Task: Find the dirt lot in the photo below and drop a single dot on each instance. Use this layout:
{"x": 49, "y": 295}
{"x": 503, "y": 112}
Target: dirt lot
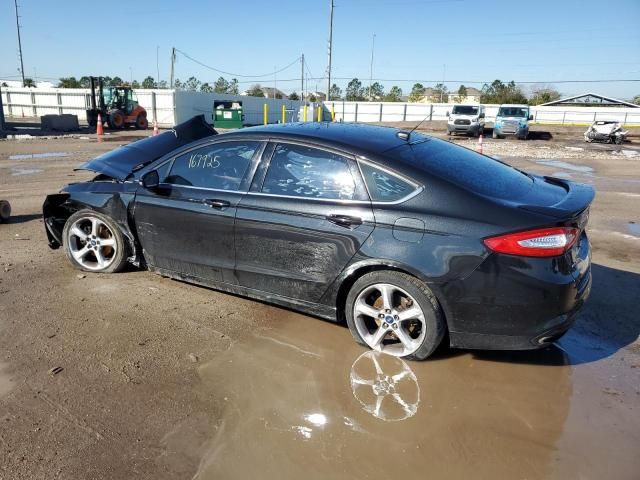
{"x": 160, "y": 379}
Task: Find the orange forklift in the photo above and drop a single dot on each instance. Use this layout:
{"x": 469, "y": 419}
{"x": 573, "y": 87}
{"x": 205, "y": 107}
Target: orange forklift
{"x": 118, "y": 106}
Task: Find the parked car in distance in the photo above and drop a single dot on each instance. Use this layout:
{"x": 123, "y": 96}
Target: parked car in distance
{"x": 409, "y": 239}
{"x": 512, "y": 120}
{"x": 468, "y": 119}
{"x": 605, "y": 131}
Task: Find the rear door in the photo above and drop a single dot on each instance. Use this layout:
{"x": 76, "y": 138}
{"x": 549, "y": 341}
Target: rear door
{"x": 306, "y": 216}
{"x": 187, "y": 224}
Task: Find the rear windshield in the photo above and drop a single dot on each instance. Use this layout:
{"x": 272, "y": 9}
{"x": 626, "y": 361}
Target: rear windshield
{"x": 466, "y": 168}
{"x": 465, "y": 110}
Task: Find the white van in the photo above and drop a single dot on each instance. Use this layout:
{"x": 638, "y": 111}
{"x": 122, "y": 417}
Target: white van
{"x": 467, "y": 119}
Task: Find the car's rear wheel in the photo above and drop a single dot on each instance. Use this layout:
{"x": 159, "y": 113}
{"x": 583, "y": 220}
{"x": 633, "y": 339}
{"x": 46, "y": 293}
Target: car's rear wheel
{"x": 395, "y": 313}
{"x": 93, "y": 243}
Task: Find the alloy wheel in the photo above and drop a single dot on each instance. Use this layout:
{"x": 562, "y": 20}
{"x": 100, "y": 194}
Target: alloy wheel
{"x": 389, "y": 320}
{"x": 92, "y": 243}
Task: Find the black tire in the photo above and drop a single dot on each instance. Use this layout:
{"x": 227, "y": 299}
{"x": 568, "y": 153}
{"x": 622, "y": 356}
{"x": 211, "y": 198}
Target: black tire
{"x": 5, "y": 211}
{"x": 434, "y": 318}
{"x": 116, "y": 119}
{"x": 141, "y": 122}
{"x": 118, "y": 259}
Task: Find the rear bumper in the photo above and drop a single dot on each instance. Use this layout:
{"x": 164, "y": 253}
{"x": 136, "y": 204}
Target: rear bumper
{"x": 517, "y": 303}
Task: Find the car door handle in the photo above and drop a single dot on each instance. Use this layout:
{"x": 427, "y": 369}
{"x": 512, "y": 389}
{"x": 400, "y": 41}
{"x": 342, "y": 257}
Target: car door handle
{"x": 216, "y": 203}
{"x": 344, "y": 220}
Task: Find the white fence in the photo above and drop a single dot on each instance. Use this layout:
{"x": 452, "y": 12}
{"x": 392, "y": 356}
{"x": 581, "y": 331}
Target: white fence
{"x": 168, "y": 107}
{"x": 410, "y": 112}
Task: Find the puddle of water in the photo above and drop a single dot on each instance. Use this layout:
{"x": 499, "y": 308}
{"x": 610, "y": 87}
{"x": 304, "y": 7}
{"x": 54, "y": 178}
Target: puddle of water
{"x": 17, "y": 171}
{"x": 634, "y": 228}
{"x": 39, "y": 155}
{"x": 565, "y": 165}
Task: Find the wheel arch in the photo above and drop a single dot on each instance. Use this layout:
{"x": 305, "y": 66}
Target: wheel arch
{"x": 343, "y": 284}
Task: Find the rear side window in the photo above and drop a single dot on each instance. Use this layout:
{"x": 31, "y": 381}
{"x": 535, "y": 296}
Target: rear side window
{"x": 464, "y": 167}
{"x": 384, "y": 186}
{"x": 307, "y": 172}
{"x": 220, "y": 166}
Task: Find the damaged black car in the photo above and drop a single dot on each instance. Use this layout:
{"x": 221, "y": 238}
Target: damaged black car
{"x": 407, "y": 238}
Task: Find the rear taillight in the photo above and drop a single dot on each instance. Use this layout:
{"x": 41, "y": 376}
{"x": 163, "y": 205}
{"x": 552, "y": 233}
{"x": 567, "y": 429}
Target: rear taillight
{"x": 542, "y": 242}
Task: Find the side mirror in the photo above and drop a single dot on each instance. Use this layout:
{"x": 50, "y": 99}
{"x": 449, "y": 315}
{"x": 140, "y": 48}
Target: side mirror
{"x": 481, "y": 115}
{"x": 447, "y": 114}
{"x": 530, "y": 117}
{"x": 150, "y": 180}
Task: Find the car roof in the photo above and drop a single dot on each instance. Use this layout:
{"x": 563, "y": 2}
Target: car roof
{"x": 355, "y": 136}
{"x": 514, "y": 105}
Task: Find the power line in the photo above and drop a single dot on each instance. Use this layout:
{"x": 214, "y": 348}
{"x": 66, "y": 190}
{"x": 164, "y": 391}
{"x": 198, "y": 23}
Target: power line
{"x": 236, "y": 74}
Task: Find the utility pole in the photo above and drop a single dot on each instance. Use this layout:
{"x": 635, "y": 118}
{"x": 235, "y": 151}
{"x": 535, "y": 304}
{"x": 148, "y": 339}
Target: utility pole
{"x": 302, "y": 77}
{"x": 444, "y": 72}
{"x": 373, "y": 44}
{"x": 330, "y": 45}
{"x": 173, "y": 62}
{"x": 157, "y": 64}
{"x": 15, "y": 2}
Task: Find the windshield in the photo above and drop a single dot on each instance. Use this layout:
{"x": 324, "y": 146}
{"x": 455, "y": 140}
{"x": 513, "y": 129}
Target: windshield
{"x": 465, "y": 110}
{"x": 513, "y": 112}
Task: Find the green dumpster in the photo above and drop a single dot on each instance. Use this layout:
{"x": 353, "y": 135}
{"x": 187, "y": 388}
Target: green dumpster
{"x": 227, "y": 114}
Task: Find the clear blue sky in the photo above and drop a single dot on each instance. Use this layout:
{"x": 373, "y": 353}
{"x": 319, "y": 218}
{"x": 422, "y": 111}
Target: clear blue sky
{"x": 481, "y": 41}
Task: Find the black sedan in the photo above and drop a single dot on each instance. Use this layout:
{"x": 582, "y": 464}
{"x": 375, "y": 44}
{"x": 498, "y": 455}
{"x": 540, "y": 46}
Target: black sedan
{"x": 408, "y": 238}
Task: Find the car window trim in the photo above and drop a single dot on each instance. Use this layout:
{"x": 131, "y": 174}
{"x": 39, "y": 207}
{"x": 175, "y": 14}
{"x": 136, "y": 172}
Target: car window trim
{"x": 360, "y": 184}
{"x": 246, "y": 178}
{"x": 417, "y": 188}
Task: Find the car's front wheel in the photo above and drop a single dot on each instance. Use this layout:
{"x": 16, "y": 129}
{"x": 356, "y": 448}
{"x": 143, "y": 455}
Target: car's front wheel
{"x": 395, "y": 313}
{"x": 94, "y": 243}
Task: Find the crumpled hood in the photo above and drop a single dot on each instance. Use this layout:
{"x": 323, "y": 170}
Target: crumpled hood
{"x": 122, "y": 161}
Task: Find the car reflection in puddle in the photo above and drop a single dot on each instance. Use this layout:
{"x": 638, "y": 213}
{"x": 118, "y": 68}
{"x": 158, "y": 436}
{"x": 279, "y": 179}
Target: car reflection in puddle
{"x": 385, "y": 386}
{"x": 301, "y": 399}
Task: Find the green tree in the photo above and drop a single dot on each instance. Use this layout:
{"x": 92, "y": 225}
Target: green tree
{"x": 354, "y": 92}
{"x": 294, "y": 96}
{"x": 69, "y": 82}
{"x": 255, "y": 91}
{"x": 221, "y": 85}
{"x": 192, "y": 84}
{"x": 335, "y": 93}
{"x": 85, "y": 82}
{"x": 162, "y": 84}
{"x": 312, "y": 98}
{"x": 114, "y": 82}
{"x": 177, "y": 84}
{"x": 394, "y": 94}
{"x": 233, "y": 87}
{"x": 28, "y": 82}
{"x": 462, "y": 94}
{"x": 499, "y": 92}
{"x": 206, "y": 88}
{"x": 543, "y": 94}
{"x": 417, "y": 92}
{"x": 439, "y": 93}
{"x": 375, "y": 92}
{"x": 149, "y": 82}
{"x": 135, "y": 84}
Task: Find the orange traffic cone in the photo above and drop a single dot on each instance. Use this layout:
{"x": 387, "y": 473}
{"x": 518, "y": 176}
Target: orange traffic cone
{"x": 155, "y": 128}
{"x": 479, "y": 147}
{"x": 99, "y": 126}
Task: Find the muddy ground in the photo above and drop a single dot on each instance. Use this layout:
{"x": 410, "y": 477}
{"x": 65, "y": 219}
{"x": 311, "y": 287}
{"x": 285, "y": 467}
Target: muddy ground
{"x": 158, "y": 379}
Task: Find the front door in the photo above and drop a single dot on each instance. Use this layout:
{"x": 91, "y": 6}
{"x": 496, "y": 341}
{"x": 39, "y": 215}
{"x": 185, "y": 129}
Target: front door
{"x": 302, "y": 224}
{"x": 187, "y": 224}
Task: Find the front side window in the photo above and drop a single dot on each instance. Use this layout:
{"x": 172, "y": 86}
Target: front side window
{"x": 220, "y": 166}
{"x": 306, "y": 172}
{"x": 383, "y": 186}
